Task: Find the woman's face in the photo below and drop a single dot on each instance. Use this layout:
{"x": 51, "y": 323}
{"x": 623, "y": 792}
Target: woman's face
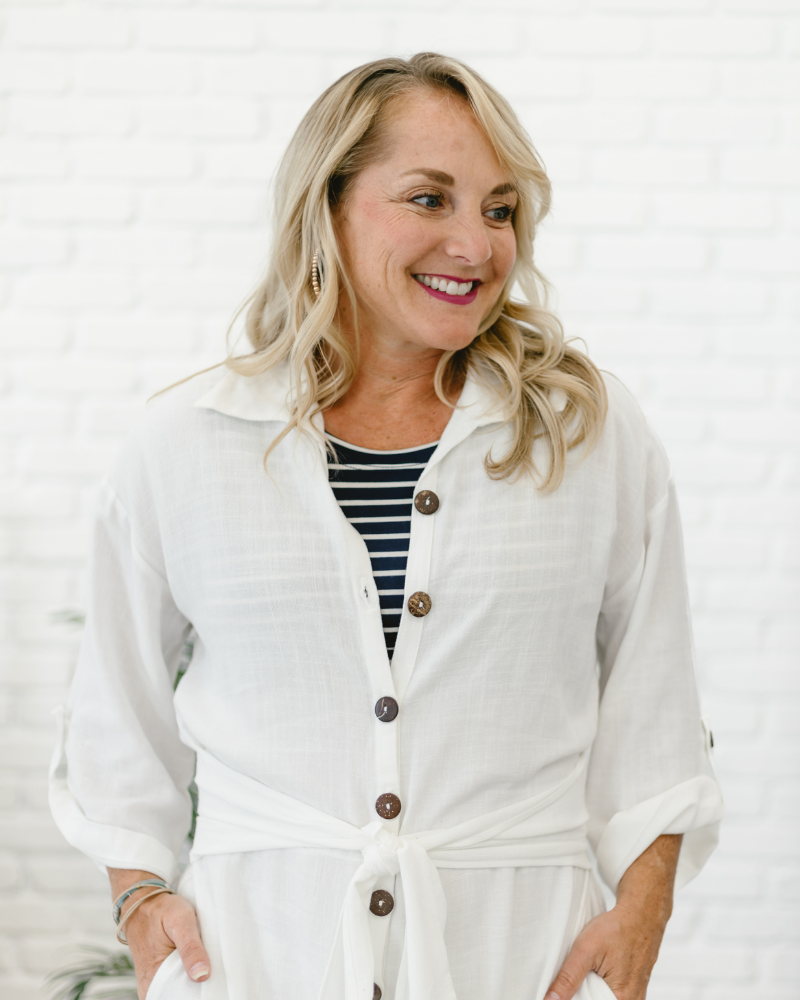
{"x": 436, "y": 210}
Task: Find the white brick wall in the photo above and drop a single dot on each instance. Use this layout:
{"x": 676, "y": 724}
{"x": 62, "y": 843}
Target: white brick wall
{"x": 137, "y": 143}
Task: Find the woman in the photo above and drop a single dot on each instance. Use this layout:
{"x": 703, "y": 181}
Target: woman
{"x": 391, "y": 707}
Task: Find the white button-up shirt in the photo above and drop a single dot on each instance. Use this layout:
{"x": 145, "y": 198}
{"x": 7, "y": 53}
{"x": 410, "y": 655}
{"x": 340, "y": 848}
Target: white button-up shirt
{"x": 546, "y": 703}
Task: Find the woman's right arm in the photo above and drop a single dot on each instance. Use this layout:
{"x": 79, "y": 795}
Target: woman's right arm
{"x": 120, "y": 774}
{"x": 159, "y": 926}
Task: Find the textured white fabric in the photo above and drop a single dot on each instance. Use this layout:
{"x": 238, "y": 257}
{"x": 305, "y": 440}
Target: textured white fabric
{"x": 499, "y": 689}
{"x": 240, "y": 814}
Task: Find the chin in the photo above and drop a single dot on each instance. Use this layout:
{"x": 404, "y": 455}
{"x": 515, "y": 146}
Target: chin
{"x": 451, "y": 340}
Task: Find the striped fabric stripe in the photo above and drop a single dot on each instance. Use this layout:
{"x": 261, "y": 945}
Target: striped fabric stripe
{"x": 375, "y": 490}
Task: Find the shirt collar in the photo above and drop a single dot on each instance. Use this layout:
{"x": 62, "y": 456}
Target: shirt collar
{"x": 267, "y": 397}
{"x": 251, "y": 397}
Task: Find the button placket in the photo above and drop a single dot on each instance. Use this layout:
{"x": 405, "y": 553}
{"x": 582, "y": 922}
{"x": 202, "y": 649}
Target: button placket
{"x": 388, "y": 805}
{"x": 376, "y": 659}
{"x": 380, "y": 926}
{"x": 417, "y": 577}
{"x": 389, "y": 679}
{"x": 386, "y": 709}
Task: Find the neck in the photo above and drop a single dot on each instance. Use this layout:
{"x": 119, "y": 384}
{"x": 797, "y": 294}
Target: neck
{"x": 396, "y": 378}
{"x": 391, "y": 402}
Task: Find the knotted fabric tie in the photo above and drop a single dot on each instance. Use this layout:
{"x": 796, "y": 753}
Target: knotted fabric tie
{"x": 238, "y": 813}
{"x": 352, "y": 964}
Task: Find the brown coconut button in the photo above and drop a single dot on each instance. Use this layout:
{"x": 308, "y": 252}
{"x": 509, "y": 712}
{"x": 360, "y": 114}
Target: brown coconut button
{"x": 419, "y": 604}
{"x": 381, "y": 903}
{"x": 376, "y": 992}
{"x": 426, "y": 502}
{"x": 386, "y": 709}
{"x": 388, "y": 805}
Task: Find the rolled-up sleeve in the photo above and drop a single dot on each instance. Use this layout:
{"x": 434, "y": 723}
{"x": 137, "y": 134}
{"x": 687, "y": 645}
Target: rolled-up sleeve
{"x": 650, "y": 771}
{"x": 120, "y": 773}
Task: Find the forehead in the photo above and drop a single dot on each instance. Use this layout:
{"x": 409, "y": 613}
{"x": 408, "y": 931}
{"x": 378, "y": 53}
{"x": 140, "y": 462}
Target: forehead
{"x": 438, "y": 130}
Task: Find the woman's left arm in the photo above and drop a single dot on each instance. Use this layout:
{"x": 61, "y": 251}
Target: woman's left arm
{"x": 652, "y": 799}
{"x": 621, "y": 946}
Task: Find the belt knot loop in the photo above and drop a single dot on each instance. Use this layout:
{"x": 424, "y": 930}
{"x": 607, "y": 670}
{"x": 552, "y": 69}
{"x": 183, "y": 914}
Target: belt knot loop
{"x": 380, "y": 852}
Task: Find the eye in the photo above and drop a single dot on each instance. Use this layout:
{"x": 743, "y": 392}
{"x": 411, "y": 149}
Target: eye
{"x": 430, "y": 199}
{"x": 502, "y": 213}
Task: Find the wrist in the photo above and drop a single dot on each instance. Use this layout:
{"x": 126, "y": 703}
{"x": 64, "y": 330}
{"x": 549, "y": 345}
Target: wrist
{"x": 131, "y": 888}
{"x": 137, "y": 894}
{"x": 646, "y": 901}
{"x": 133, "y": 911}
{"x": 121, "y": 879}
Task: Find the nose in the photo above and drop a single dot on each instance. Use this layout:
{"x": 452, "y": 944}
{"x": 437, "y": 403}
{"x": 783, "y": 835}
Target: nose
{"x": 468, "y": 241}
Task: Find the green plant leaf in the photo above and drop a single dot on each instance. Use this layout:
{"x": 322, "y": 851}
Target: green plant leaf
{"x": 99, "y": 964}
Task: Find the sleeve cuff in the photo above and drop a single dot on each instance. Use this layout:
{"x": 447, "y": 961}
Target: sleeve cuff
{"x": 693, "y": 808}
{"x": 107, "y": 846}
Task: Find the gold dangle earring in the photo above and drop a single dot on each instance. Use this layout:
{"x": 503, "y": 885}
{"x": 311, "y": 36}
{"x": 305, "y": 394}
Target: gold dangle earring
{"x": 317, "y": 273}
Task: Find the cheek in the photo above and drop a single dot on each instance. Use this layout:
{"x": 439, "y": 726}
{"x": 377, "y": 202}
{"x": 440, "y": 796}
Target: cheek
{"x": 382, "y": 239}
{"x": 407, "y": 237}
{"x": 504, "y": 251}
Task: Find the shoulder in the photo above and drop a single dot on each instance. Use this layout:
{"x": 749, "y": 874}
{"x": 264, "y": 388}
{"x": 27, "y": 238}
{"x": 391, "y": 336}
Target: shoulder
{"x": 628, "y": 440}
{"x": 181, "y": 399}
{"x": 175, "y": 410}
{"x": 624, "y": 411}
{"x": 625, "y": 418}
{"x": 164, "y": 435}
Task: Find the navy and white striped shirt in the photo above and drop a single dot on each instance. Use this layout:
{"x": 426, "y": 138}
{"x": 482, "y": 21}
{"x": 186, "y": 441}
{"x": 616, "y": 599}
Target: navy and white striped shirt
{"x": 375, "y": 490}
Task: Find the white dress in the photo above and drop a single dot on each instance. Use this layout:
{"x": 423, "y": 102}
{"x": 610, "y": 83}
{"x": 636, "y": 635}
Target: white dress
{"x": 547, "y": 703}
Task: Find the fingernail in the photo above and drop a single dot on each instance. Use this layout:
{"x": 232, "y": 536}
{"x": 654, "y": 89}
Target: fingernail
{"x": 198, "y": 971}
{"x": 552, "y": 996}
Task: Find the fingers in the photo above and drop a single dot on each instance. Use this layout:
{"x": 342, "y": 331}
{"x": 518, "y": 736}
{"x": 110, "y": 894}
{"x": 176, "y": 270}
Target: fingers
{"x": 577, "y": 965}
{"x": 183, "y": 930}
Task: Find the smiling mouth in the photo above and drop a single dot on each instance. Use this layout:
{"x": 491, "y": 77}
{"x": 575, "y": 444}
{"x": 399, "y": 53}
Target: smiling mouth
{"x": 448, "y": 286}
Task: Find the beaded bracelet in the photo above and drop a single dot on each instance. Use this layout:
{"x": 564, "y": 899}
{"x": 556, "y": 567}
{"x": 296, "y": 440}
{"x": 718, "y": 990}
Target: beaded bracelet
{"x": 136, "y": 905}
{"x": 116, "y": 909}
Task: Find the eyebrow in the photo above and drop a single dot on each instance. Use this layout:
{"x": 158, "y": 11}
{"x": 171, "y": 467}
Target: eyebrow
{"x": 440, "y": 177}
{"x": 507, "y": 188}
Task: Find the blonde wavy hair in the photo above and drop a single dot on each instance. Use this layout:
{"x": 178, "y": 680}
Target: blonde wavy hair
{"x": 520, "y": 351}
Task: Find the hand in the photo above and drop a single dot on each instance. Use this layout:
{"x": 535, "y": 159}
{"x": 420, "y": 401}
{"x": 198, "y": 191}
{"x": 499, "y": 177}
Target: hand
{"x": 157, "y": 928}
{"x": 621, "y": 946}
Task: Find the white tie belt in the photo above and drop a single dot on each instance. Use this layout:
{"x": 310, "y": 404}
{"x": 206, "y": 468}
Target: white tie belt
{"x": 238, "y": 813}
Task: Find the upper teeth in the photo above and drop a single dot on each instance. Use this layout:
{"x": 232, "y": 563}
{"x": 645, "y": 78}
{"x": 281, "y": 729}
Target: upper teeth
{"x": 444, "y": 284}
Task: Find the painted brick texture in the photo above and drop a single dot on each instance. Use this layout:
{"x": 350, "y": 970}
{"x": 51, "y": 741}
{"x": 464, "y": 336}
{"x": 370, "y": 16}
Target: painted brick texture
{"x": 137, "y": 141}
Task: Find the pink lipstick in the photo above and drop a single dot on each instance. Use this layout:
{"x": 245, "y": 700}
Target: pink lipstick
{"x": 457, "y": 300}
